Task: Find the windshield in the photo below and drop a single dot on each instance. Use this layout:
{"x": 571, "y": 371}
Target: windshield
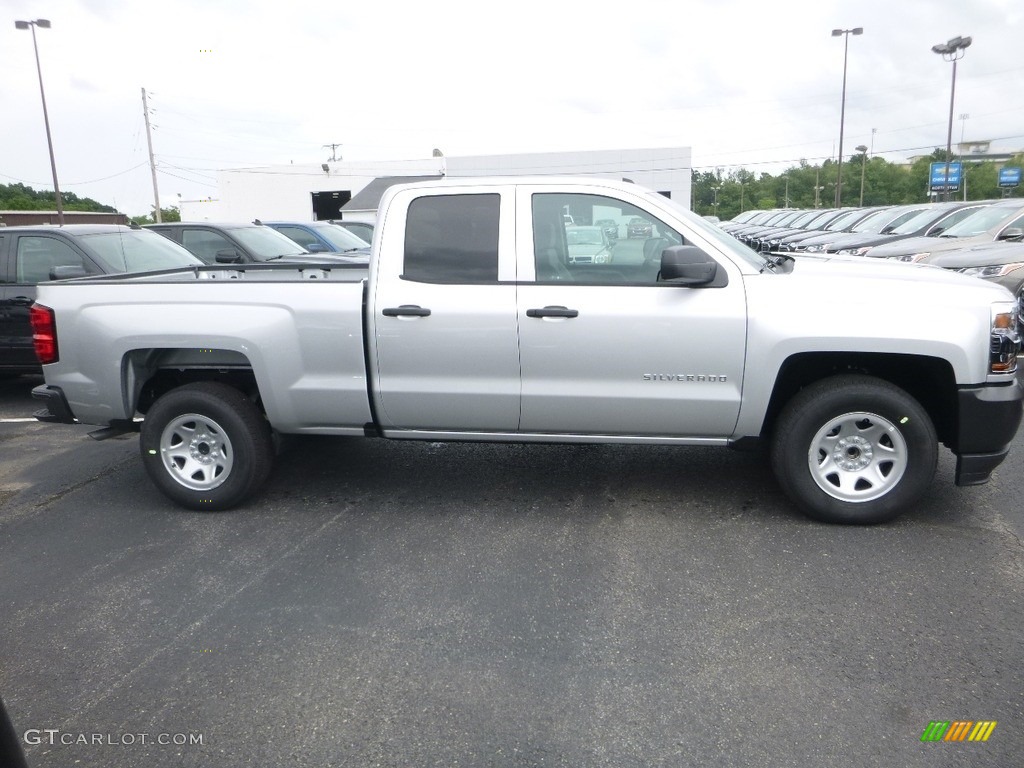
{"x": 134, "y": 251}
{"x": 981, "y": 221}
{"x": 874, "y": 223}
{"x": 844, "y": 221}
{"x": 266, "y": 243}
{"x": 723, "y": 239}
{"x": 819, "y": 219}
{"x": 340, "y": 238}
{"x": 919, "y": 221}
{"x": 805, "y": 216}
{"x": 583, "y": 236}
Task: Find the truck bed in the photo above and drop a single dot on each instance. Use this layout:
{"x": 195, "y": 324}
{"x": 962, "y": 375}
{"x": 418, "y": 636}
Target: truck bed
{"x": 299, "y": 330}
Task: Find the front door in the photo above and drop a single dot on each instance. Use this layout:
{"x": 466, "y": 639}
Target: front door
{"x": 607, "y": 349}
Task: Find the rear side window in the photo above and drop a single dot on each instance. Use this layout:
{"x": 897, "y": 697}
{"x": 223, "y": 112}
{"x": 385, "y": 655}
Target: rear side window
{"x": 452, "y": 239}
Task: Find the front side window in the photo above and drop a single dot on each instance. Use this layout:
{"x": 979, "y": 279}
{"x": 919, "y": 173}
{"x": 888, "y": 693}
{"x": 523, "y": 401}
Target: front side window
{"x": 453, "y": 239}
{"x": 582, "y": 252}
{"x": 205, "y": 244}
{"x": 37, "y": 256}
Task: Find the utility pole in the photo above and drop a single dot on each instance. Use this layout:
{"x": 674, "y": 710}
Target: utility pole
{"x": 333, "y": 147}
{"x": 152, "y": 162}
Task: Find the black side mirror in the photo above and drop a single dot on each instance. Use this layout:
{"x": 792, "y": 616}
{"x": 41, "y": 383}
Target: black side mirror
{"x": 687, "y": 265}
{"x": 67, "y": 272}
{"x": 228, "y": 256}
{"x": 1011, "y": 233}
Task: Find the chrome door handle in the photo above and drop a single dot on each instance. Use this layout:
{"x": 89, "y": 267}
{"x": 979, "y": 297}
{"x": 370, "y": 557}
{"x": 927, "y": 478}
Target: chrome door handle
{"x": 406, "y": 309}
{"x": 555, "y": 311}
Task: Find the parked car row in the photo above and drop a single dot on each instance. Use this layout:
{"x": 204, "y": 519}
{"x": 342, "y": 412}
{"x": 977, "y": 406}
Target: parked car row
{"x": 981, "y": 238}
{"x": 34, "y": 254}
{"x": 290, "y": 241}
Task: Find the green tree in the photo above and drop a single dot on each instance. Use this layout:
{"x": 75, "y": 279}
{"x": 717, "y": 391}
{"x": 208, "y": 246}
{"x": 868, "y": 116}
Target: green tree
{"x": 19, "y": 197}
{"x": 166, "y": 215}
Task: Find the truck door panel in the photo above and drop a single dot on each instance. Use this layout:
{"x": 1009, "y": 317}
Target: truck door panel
{"x": 443, "y": 328}
{"x": 628, "y": 355}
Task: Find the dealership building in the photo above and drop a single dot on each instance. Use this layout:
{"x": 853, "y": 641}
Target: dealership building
{"x": 352, "y": 189}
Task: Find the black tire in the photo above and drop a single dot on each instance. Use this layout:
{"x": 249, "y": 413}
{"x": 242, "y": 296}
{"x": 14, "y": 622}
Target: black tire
{"x": 874, "y": 450}
{"x": 206, "y": 446}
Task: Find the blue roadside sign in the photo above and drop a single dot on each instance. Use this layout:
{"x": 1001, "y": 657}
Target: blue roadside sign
{"x": 940, "y": 182}
{"x": 1009, "y": 177}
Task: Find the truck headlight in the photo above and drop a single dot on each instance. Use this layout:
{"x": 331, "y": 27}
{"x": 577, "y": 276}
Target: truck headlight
{"x": 1005, "y": 337}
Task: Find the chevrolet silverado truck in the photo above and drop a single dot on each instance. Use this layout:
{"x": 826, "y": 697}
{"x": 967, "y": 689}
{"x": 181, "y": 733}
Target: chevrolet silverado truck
{"x": 473, "y": 322}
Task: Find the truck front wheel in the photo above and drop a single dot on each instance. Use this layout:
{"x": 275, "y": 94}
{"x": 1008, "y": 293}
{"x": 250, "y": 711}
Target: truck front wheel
{"x": 854, "y": 449}
{"x": 206, "y": 446}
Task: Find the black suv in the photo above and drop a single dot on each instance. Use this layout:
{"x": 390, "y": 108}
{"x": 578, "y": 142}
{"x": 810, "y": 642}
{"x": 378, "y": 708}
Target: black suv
{"x": 35, "y": 254}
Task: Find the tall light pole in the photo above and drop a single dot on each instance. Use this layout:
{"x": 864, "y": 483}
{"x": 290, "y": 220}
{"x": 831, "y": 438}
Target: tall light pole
{"x": 862, "y": 148}
{"x": 963, "y": 168}
{"x": 845, "y": 33}
{"x": 951, "y": 50}
{"x": 45, "y": 24}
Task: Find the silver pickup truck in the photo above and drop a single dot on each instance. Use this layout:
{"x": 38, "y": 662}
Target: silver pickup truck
{"x": 473, "y": 322}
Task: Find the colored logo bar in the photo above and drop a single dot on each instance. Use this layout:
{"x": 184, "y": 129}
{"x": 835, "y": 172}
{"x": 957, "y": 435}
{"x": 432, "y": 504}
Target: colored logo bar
{"x": 958, "y": 730}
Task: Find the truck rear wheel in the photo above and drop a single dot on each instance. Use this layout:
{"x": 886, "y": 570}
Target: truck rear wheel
{"x": 854, "y": 449}
{"x": 206, "y": 446}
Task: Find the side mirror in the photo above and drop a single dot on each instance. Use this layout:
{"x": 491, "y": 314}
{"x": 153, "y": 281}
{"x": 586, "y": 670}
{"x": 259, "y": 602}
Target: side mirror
{"x": 317, "y": 248}
{"x": 228, "y": 256}
{"x": 67, "y": 272}
{"x": 1011, "y": 233}
{"x": 687, "y": 265}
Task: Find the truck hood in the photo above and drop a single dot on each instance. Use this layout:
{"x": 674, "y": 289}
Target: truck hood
{"x": 840, "y": 274}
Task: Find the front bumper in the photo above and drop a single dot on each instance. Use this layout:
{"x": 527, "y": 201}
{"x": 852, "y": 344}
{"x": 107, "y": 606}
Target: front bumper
{"x": 988, "y": 421}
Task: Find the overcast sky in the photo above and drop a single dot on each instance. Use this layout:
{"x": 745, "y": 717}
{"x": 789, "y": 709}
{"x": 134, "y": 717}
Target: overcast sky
{"x": 243, "y": 84}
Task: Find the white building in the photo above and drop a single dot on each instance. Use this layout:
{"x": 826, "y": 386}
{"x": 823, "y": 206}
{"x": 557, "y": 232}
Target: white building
{"x": 315, "y": 192}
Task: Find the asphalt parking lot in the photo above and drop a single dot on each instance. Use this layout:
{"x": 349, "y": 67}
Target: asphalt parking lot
{"x": 399, "y": 604}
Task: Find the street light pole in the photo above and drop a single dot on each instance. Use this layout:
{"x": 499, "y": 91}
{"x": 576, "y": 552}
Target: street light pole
{"x": 863, "y": 164}
{"x": 45, "y": 24}
{"x": 842, "y": 111}
{"x": 963, "y": 168}
{"x": 952, "y": 50}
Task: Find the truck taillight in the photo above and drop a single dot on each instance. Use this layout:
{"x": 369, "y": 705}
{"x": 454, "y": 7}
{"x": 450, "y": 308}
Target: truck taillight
{"x": 44, "y": 333}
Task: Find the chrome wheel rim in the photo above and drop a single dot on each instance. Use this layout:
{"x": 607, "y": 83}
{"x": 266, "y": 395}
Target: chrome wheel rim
{"x": 196, "y": 452}
{"x": 857, "y": 457}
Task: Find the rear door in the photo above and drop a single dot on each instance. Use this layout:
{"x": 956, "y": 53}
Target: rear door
{"x": 608, "y": 349}
{"x": 443, "y": 328}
